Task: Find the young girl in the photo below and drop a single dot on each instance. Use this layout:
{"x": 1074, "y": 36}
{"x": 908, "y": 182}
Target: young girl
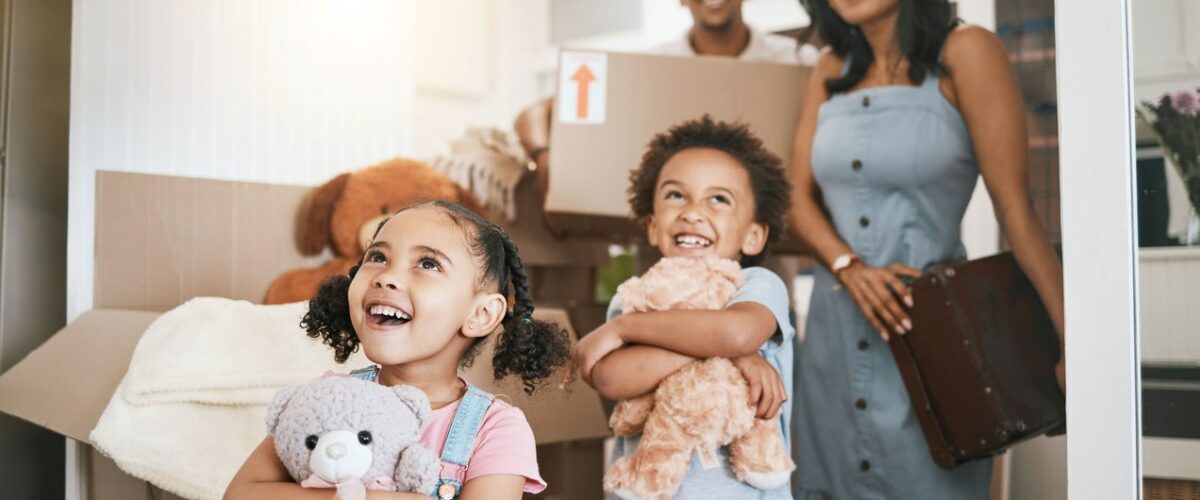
{"x": 430, "y": 288}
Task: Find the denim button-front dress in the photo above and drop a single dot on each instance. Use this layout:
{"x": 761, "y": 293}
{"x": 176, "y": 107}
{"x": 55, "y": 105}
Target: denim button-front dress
{"x": 896, "y": 169}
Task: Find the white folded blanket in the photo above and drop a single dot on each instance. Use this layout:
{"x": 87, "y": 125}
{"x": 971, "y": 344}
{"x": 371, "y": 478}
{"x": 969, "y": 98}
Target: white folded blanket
{"x": 190, "y": 408}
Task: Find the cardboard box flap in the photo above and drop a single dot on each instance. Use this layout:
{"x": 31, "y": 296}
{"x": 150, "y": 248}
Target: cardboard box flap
{"x": 65, "y": 384}
{"x": 161, "y": 240}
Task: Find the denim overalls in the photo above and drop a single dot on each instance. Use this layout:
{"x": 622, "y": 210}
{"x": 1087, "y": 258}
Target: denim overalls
{"x": 460, "y": 441}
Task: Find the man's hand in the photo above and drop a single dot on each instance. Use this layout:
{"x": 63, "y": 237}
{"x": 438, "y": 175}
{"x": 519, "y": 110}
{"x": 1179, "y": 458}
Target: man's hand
{"x": 595, "y": 346}
{"x": 766, "y": 387}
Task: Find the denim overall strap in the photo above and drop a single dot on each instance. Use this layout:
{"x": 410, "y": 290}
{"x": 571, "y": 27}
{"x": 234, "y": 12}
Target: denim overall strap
{"x": 460, "y": 442}
{"x": 369, "y": 373}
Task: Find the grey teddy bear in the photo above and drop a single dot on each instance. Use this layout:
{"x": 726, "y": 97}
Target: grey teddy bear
{"x": 337, "y": 431}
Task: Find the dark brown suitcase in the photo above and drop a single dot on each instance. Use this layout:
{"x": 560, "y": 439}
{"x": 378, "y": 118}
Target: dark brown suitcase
{"x": 979, "y": 362}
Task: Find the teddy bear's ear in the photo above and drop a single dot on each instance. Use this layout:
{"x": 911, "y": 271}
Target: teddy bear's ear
{"x": 315, "y": 218}
{"x": 415, "y": 400}
{"x": 278, "y": 403}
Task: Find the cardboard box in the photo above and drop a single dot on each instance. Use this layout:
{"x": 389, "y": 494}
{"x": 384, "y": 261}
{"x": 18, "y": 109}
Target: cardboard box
{"x": 609, "y": 106}
{"x": 162, "y": 240}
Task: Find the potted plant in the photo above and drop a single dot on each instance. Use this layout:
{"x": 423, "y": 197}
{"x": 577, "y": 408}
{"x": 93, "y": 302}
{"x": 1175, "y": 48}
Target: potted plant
{"x": 1175, "y": 120}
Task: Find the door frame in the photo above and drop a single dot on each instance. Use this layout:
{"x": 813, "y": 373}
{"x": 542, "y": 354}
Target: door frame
{"x": 1099, "y": 249}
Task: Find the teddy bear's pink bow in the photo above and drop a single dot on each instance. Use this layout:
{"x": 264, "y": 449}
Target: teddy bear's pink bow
{"x": 352, "y": 489}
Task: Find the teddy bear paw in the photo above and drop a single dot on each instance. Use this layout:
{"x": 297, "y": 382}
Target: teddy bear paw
{"x": 767, "y": 480}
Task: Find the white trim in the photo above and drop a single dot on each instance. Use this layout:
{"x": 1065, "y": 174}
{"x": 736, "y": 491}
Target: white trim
{"x": 1171, "y": 458}
{"x": 76, "y": 484}
{"x": 79, "y": 244}
{"x": 1165, "y": 254}
{"x": 1006, "y": 470}
{"x": 978, "y": 12}
{"x": 1095, "y": 131}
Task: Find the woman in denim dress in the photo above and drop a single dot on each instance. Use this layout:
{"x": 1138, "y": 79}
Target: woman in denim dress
{"x": 901, "y": 116}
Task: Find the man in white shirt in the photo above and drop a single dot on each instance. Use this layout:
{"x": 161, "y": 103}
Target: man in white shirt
{"x": 717, "y": 30}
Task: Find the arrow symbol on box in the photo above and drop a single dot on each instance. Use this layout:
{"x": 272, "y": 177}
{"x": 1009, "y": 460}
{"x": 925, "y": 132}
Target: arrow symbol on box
{"x": 583, "y": 77}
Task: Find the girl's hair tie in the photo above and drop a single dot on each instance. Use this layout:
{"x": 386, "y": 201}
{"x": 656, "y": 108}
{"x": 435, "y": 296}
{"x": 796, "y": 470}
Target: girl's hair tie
{"x": 528, "y": 320}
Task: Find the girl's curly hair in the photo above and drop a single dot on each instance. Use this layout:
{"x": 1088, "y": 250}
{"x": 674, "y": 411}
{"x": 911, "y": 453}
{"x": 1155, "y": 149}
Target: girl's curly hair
{"x": 528, "y": 348}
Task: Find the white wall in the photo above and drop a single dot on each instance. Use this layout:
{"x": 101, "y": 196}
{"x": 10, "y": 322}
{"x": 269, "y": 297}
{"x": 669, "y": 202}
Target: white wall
{"x": 477, "y": 66}
{"x": 285, "y": 91}
{"x": 1166, "y": 46}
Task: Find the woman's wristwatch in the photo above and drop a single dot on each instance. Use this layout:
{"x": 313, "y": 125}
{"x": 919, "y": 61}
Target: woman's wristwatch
{"x": 843, "y": 261}
{"x": 533, "y": 157}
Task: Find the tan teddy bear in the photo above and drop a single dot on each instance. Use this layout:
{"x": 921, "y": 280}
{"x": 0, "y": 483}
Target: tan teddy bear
{"x": 700, "y": 407}
{"x": 344, "y": 213}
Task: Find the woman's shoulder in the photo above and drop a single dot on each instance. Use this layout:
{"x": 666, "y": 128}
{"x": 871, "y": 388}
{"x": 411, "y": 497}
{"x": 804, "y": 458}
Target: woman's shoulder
{"x": 971, "y": 44}
{"x": 828, "y": 65}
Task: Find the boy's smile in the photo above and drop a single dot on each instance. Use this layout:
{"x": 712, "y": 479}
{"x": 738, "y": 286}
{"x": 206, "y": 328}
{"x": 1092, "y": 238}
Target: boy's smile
{"x": 704, "y": 205}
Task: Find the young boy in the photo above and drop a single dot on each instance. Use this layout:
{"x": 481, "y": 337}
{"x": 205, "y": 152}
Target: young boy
{"x": 705, "y": 188}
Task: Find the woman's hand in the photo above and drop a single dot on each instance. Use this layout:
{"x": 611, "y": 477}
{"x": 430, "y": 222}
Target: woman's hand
{"x": 766, "y": 386}
{"x": 878, "y": 292}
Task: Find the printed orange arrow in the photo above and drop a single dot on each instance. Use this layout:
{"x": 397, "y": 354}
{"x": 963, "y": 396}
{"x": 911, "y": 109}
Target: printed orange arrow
{"x": 583, "y": 77}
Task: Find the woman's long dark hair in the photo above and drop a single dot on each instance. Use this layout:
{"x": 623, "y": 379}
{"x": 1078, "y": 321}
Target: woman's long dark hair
{"x": 920, "y": 31}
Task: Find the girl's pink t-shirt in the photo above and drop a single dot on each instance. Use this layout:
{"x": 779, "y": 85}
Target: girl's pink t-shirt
{"x": 504, "y": 445}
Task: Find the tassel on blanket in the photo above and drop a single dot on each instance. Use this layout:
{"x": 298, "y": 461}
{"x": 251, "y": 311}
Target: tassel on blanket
{"x": 490, "y": 163}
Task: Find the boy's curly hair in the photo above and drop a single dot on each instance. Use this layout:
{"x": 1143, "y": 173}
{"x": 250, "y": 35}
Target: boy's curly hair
{"x": 768, "y": 180}
{"x": 529, "y": 348}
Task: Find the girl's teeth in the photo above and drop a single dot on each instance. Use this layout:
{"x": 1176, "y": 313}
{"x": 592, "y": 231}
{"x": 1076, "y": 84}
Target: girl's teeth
{"x": 381, "y": 310}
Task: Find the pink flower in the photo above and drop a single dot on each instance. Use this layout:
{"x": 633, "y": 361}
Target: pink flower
{"x": 1186, "y": 102}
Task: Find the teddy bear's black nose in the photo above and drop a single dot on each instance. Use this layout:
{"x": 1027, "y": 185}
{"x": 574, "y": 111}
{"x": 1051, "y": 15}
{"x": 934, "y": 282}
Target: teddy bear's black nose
{"x": 364, "y": 437}
{"x": 310, "y": 442}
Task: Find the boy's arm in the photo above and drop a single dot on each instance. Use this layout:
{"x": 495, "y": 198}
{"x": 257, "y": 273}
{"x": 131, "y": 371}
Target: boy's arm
{"x": 634, "y": 370}
{"x": 728, "y": 333}
{"x": 638, "y": 369}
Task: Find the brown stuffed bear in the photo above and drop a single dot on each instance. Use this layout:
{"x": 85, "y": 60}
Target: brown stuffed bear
{"x": 344, "y": 212}
{"x": 699, "y": 407}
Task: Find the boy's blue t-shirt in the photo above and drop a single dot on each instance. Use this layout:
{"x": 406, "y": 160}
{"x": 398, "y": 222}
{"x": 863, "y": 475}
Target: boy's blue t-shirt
{"x": 764, "y": 287}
